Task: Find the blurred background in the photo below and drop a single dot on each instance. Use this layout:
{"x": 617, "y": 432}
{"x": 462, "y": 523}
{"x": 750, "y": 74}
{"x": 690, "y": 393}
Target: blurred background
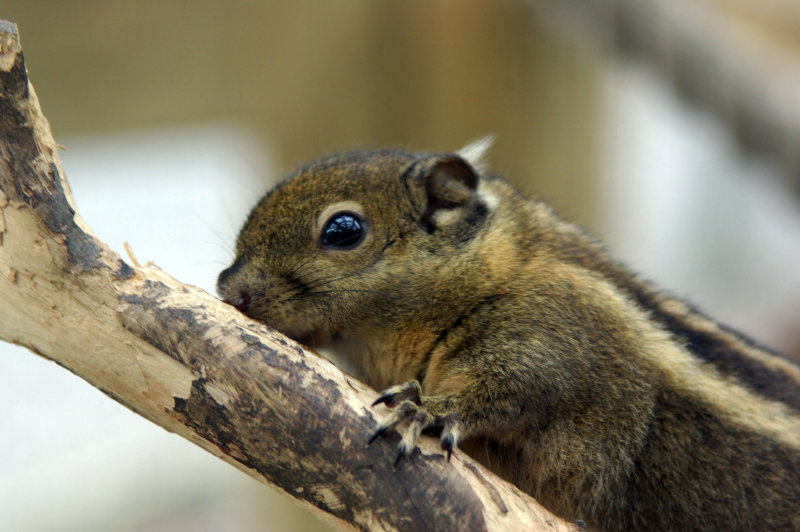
{"x": 668, "y": 128}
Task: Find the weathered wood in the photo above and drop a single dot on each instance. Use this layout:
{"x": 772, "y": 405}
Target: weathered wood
{"x": 197, "y": 367}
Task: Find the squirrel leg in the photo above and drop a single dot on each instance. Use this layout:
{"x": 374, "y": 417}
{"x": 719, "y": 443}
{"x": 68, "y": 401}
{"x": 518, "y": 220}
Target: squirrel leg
{"x": 423, "y": 413}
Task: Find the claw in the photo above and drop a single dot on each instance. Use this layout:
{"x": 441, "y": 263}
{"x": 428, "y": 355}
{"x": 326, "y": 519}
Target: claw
{"x": 420, "y": 416}
{"x": 379, "y": 432}
{"x": 419, "y": 422}
{"x": 406, "y": 409}
{"x": 400, "y": 454}
{"x": 385, "y": 398}
{"x": 450, "y": 432}
{"x": 410, "y": 391}
{"x": 447, "y": 445}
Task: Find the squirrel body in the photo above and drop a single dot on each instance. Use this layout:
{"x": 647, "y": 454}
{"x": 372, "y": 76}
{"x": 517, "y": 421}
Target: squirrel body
{"x": 488, "y": 317}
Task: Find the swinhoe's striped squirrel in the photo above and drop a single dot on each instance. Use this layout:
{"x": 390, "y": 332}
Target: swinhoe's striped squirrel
{"x": 485, "y": 316}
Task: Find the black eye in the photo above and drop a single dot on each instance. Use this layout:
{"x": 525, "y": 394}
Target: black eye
{"x": 343, "y": 230}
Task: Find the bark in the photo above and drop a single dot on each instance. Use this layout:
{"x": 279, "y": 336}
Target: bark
{"x": 197, "y": 367}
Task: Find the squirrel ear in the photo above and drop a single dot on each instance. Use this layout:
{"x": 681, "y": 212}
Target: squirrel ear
{"x": 475, "y": 152}
{"x": 449, "y": 183}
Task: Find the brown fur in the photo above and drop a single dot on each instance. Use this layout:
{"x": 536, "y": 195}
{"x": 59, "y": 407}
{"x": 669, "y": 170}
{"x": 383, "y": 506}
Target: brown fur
{"x": 542, "y": 358}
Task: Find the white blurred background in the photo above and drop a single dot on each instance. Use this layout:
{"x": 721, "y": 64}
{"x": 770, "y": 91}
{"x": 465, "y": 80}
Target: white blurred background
{"x": 176, "y": 119}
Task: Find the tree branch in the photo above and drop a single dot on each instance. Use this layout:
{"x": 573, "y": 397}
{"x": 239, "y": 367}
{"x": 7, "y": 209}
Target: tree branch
{"x": 197, "y": 367}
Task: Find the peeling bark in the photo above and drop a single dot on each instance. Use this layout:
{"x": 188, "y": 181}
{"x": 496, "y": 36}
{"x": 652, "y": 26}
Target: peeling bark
{"x": 197, "y": 367}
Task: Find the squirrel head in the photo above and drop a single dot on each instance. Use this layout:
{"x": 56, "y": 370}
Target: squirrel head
{"x": 357, "y": 240}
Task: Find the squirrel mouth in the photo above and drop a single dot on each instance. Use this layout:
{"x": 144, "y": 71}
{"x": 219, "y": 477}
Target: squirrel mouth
{"x": 316, "y": 338}
{"x": 240, "y": 301}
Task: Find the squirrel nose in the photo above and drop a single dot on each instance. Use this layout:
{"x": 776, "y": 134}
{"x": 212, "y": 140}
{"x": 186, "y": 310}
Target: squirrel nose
{"x": 229, "y": 271}
{"x": 241, "y": 302}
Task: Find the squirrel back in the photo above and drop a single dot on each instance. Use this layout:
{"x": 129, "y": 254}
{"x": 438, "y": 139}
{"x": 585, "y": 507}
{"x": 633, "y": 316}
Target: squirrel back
{"x": 489, "y": 318}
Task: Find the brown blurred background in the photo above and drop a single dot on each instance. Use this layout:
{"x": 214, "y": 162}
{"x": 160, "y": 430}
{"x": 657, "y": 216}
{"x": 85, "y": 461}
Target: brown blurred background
{"x": 315, "y": 76}
{"x": 671, "y": 129}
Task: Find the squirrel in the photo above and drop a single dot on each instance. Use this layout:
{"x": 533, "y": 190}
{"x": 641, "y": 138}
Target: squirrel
{"x": 486, "y": 317}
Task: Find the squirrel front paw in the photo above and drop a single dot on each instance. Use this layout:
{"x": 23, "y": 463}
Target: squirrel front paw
{"x": 423, "y": 413}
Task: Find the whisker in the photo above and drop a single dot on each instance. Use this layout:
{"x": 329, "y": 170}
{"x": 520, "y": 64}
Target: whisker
{"x": 333, "y": 291}
{"x": 211, "y": 261}
{"x": 382, "y": 293}
{"x": 215, "y": 231}
{"x": 323, "y": 282}
{"x": 294, "y": 271}
{"x": 218, "y": 245}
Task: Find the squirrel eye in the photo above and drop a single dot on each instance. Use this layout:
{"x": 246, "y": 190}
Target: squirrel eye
{"x": 343, "y": 230}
